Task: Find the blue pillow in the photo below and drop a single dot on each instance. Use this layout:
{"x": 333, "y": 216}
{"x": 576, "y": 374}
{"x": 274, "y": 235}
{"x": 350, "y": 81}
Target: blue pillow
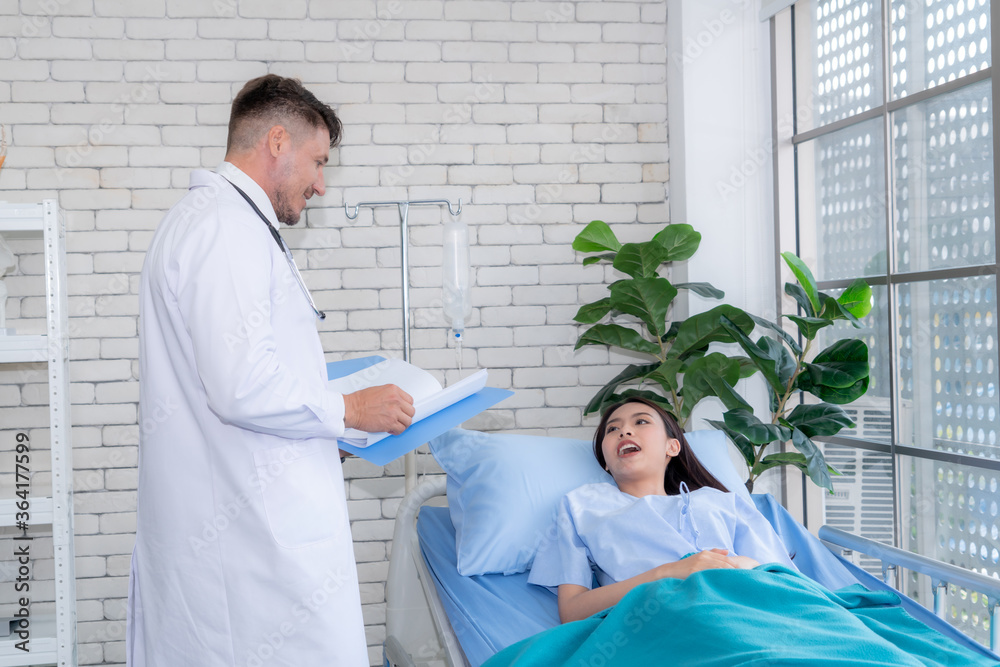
{"x": 503, "y": 489}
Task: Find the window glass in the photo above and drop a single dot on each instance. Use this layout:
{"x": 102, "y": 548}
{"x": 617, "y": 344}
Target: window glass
{"x": 950, "y": 513}
{"x": 943, "y": 173}
{"x": 842, "y": 202}
{"x": 936, "y": 41}
{"x": 946, "y": 343}
{"x": 838, "y": 66}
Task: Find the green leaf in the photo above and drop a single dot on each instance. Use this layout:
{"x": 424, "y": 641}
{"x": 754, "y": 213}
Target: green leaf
{"x": 809, "y": 326}
{"x": 631, "y": 372}
{"x": 640, "y": 260}
{"x": 671, "y": 332}
{"x": 816, "y": 466}
{"x": 679, "y": 240}
{"x": 745, "y": 447}
{"x": 773, "y": 401}
{"x": 805, "y": 278}
{"x": 726, "y": 393}
{"x": 784, "y": 335}
{"x": 666, "y": 374}
{"x": 652, "y": 396}
{"x": 787, "y": 458}
{"x": 697, "y": 331}
{"x": 760, "y": 357}
{"x": 699, "y": 376}
{"x": 780, "y": 459}
{"x": 800, "y": 297}
{"x": 593, "y": 312}
{"x": 838, "y": 395}
{"x": 615, "y": 335}
{"x": 784, "y": 362}
{"x": 596, "y": 237}
{"x": 832, "y": 310}
{"x": 819, "y": 419}
{"x": 857, "y": 298}
{"x": 702, "y": 289}
{"x": 594, "y": 259}
{"x": 747, "y": 368}
{"x": 839, "y": 366}
{"x": 645, "y": 298}
{"x": 753, "y": 429}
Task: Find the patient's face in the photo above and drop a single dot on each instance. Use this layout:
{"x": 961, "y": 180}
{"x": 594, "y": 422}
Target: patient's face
{"x": 636, "y": 445}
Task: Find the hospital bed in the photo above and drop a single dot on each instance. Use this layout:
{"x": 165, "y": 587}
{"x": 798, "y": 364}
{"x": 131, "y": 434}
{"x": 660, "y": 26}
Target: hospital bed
{"x": 436, "y": 617}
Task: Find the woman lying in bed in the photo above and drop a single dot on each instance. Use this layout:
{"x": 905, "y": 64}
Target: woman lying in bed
{"x": 666, "y": 506}
{"x": 657, "y": 605}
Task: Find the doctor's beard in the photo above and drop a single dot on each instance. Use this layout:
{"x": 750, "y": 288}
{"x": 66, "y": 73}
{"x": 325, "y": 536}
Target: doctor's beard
{"x": 283, "y": 209}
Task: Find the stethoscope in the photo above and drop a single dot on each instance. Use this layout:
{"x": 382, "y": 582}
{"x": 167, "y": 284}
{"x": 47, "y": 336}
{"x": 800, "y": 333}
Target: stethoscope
{"x": 284, "y": 249}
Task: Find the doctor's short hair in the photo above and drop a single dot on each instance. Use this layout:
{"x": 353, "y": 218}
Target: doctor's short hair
{"x": 271, "y": 100}
{"x": 685, "y": 467}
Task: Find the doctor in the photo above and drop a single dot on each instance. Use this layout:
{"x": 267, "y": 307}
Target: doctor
{"x": 243, "y": 553}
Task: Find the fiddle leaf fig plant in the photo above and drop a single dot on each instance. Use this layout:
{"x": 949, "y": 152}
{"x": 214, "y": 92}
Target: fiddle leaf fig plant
{"x": 680, "y": 371}
{"x": 680, "y": 368}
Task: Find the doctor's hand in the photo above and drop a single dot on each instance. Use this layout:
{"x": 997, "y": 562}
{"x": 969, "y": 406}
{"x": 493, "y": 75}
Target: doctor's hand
{"x": 375, "y": 409}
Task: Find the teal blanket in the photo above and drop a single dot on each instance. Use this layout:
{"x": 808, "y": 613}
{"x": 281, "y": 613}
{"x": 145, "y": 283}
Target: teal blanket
{"x": 769, "y": 616}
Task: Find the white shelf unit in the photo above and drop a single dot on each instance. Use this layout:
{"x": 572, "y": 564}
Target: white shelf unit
{"x": 53, "y": 638}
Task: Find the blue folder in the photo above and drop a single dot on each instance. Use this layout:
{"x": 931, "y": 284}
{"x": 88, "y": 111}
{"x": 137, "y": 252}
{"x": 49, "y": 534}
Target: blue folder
{"x": 394, "y": 446}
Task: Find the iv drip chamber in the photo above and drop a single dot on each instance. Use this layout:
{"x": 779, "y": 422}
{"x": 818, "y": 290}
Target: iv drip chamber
{"x": 457, "y": 301}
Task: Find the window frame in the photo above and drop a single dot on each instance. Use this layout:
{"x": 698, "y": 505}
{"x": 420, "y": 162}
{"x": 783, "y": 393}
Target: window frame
{"x": 800, "y": 494}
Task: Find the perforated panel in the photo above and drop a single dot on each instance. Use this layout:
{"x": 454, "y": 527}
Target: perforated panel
{"x": 935, "y": 41}
{"x": 844, "y": 53}
{"x": 850, "y": 218}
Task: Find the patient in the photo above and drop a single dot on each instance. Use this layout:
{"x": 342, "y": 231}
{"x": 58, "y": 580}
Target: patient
{"x": 665, "y": 506}
{"x": 634, "y": 535}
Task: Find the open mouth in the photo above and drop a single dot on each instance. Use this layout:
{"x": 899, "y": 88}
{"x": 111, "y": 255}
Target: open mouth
{"x": 627, "y": 447}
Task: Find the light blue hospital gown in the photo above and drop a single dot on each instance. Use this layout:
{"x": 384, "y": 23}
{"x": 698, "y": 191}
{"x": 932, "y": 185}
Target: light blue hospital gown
{"x": 600, "y": 530}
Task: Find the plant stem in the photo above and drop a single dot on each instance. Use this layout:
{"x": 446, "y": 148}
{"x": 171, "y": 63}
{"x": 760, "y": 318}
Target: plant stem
{"x": 799, "y": 367}
{"x": 780, "y": 412}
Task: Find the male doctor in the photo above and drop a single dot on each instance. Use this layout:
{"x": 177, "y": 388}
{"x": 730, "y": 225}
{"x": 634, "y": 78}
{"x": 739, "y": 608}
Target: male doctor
{"x": 243, "y": 553}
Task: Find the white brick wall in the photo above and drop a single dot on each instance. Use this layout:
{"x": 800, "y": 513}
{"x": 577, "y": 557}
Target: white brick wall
{"x": 540, "y": 116}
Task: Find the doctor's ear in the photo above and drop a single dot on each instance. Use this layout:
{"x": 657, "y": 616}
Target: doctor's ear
{"x": 277, "y": 140}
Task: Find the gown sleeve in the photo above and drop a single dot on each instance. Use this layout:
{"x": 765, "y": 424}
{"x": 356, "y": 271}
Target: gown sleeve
{"x": 563, "y": 558}
{"x": 222, "y": 284}
{"x": 756, "y": 538}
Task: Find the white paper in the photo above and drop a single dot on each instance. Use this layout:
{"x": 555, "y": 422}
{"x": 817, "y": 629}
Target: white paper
{"x": 416, "y": 382}
{"x": 428, "y": 396}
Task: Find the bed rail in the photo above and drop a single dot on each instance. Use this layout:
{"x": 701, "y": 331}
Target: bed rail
{"x": 411, "y": 597}
{"x": 941, "y": 574}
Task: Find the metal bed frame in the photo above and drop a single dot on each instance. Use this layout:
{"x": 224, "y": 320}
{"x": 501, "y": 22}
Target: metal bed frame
{"x": 942, "y": 574}
{"x": 419, "y": 634}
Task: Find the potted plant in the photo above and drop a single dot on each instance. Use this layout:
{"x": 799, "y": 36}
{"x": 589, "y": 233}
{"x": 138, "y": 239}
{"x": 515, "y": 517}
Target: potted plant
{"x": 681, "y": 368}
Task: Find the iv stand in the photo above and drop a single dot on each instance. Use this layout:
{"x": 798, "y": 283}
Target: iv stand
{"x": 410, "y": 459}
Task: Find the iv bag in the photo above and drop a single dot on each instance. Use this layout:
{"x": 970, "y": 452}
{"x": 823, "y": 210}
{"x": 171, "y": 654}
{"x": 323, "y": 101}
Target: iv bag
{"x": 455, "y": 280}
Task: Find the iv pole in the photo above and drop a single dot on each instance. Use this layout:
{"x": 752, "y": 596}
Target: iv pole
{"x": 410, "y": 459}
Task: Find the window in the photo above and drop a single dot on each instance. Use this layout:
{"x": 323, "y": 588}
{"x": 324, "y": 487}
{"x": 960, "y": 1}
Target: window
{"x": 894, "y": 181}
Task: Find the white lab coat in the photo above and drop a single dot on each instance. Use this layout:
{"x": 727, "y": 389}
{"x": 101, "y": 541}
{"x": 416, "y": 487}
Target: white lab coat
{"x": 243, "y": 552}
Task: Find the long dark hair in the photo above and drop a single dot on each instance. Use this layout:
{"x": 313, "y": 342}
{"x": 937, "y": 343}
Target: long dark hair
{"x": 685, "y": 467}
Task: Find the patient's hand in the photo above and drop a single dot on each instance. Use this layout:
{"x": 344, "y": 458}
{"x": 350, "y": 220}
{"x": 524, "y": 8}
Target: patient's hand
{"x": 712, "y": 559}
{"x": 744, "y": 562}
